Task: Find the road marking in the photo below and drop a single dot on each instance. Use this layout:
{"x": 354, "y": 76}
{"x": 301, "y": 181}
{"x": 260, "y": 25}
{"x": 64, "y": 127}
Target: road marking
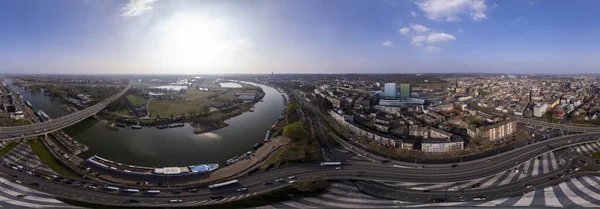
{"x": 254, "y": 193}
{"x": 240, "y": 197}
{"x": 247, "y": 195}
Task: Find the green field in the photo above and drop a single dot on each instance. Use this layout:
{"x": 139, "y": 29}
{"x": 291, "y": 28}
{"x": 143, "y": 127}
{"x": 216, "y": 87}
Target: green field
{"x": 7, "y": 148}
{"x": 137, "y": 100}
{"x": 46, "y": 157}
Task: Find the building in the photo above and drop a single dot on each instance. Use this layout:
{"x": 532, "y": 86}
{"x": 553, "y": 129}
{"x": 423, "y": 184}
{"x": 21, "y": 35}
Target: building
{"x": 433, "y": 145}
{"x": 540, "y": 110}
{"x": 389, "y": 90}
{"x": 405, "y": 91}
{"x": 495, "y": 131}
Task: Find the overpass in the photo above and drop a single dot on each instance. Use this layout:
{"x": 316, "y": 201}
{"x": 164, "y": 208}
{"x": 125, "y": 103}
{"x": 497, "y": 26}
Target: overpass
{"x": 556, "y": 125}
{"x": 36, "y": 129}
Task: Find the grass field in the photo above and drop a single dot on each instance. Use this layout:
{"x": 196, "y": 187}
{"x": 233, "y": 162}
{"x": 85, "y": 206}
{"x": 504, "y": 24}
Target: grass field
{"x": 273, "y": 158}
{"x": 7, "y": 148}
{"x": 137, "y": 100}
{"x": 46, "y": 157}
{"x": 194, "y": 100}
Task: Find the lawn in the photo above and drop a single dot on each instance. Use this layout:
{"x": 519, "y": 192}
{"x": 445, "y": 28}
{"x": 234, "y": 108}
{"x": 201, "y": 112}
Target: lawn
{"x": 7, "y": 148}
{"x": 137, "y": 100}
{"x": 46, "y": 157}
{"x": 596, "y": 155}
{"x": 273, "y": 158}
{"x": 164, "y": 108}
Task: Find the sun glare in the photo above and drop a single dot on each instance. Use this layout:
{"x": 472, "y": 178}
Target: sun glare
{"x": 193, "y": 43}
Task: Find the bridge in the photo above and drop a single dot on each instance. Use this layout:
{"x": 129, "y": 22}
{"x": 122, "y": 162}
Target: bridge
{"x": 558, "y": 126}
{"x": 36, "y": 129}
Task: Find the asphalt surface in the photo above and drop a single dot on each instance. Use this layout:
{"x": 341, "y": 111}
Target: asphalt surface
{"x": 351, "y": 171}
{"x": 36, "y": 129}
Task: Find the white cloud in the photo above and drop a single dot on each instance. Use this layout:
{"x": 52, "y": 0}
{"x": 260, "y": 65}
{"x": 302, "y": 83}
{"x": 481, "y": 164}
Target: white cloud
{"x": 387, "y": 43}
{"x": 432, "y": 49}
{"x": 451, "y": 10}
{"x": 460, "y": 30}
{"x": 494, "y": 6}
{"x": 519, "y": 19}
{"x": 533, "y": 2}
{"x": 420, "y": 28}
{"x": 434, "y": 37}
{"x": 137, "y": 7}
{"x": 418, "y": 40}
{"x": 414, "y": 14}
{"x": 404, "y": 30}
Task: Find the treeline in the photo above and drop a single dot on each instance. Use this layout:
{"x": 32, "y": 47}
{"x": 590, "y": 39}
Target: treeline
{"x": 97, "y": 92}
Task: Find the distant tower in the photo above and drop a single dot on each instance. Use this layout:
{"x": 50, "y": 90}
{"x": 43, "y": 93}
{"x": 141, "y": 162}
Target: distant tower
{"x": 271, "y": 72}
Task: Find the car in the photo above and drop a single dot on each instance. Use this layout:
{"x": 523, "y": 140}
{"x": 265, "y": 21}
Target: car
{"x": 476, "y": 185}
{"x": 516, "y": 162}
{"x": 268, "y": 183}
{"x": 243, "y": 189}
{"x": 175, "y": 201}
{"x": 92, "y": 187}
{"x": 292, "y": 177}
{"x": 176, "y": 191}
{"x": 479, "y": 198}
{"x": 516, "y": 170}
{"x": 134, "y": 201}
{"x": 527, "y": 186}
{"x": 18, "y": 181}
{"x": 338, "y": 168}
{"x": 488, "y": 160}
{"x": 438, "y": 200}
{"x": 36, "y": 184}
{"x": 36, "y": 132}
{"x": 292, "y": 181}
{"x": 427, "y": 190}
{"x": 552, "y": 178}
{"x": 216, "y": 197}
{"x": 15, "y": 176}
{"x": 421, "y": 166}
{"x": 279, "y": 180}
{"x": 193, "y": 190}
{"x": 454, "y": 166}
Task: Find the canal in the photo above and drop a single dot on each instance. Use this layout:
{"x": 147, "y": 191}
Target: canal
{"x": 173, "y": 146}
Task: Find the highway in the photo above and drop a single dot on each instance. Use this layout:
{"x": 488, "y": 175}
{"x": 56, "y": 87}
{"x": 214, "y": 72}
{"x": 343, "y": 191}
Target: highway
{"x": 350, "y": 171}
{"x": 36, "y": 129}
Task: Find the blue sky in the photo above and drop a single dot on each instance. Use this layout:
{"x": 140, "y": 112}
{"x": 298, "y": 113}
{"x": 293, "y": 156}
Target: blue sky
{"x": 299, "y": 36}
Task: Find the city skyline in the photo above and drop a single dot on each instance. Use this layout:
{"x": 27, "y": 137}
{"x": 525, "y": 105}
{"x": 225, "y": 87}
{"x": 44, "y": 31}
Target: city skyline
{"x": 330, "y": 37}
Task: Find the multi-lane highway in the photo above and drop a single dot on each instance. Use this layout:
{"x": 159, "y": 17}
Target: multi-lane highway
{"x": 36, "y": 129}
{"x": 352, "y": 170}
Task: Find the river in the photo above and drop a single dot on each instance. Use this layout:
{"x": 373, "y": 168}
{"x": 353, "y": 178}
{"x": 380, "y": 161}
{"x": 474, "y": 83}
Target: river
{"x": 173, "y": 146}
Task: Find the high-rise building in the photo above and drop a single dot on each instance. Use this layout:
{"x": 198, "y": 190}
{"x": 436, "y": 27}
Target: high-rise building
{"x": 389, "y": 90}
{"x": 404, "y": 91}
{"x": 540, "y": 110}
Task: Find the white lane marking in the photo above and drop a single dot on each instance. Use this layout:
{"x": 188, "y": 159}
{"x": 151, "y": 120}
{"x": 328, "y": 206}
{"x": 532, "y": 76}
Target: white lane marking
{"x": 574, "y": 198}
{"x": 536, "y": 168}
{"x": 296, "y": 204}
{"x": 550, "y": 198}
{"x": 585, "y": 190}
{"x": 553, "y": 161}
{"x": 492, "y": 203}
{"x": 525, "y": 199}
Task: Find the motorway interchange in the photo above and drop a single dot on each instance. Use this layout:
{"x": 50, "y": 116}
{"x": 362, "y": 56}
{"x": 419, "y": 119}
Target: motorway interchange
{"x": 268, "y": 181}
{"x": 259, "y": 183}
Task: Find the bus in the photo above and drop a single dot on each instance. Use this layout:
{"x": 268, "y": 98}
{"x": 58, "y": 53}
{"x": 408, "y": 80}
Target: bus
{"x": 111, "y": 188}
{"x": 131, "y": 190}
{"x": 212, "y": 186}
{"x": 153, "y": 191}
{"x": 331, "y": 163}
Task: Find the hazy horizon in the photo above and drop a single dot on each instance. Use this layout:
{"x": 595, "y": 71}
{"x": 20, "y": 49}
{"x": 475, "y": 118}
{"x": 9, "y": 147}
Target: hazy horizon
{"x": 299, "y": 37}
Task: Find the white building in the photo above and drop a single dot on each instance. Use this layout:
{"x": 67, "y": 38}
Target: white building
{"x": 539, "y": 110}
{"x": 389, "y": 90}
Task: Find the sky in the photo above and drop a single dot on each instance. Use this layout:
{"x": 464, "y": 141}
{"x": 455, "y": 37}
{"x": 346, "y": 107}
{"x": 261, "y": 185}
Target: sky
{"x": 299, "y": 36}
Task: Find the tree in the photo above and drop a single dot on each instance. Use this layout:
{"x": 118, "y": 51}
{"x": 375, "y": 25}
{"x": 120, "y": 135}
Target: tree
{"x": 312, "y": 185}
{"x": 295, "y": 131}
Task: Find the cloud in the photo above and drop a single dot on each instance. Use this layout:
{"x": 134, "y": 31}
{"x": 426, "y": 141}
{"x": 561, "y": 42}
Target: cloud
{"x": 137, "y": 7}
{"x": 387, "y": 43}
{"x": 451, "y": 10}
{"x": 418, "y": 40}
{"x": 534, "y": 2}
{"x": 432, "y": 49}
{"x": 519, "y": 19}
{"x": 420, "y": 28}
{"x": 434, "y": 37}
{"x": 404, "y": 30}
{"x": 460, "y": 30}
{"x": 414, "y": 14}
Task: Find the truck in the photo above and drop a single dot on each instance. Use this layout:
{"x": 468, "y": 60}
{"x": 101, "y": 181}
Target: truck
{"x": 330, "y": 163}
{"x": 212, "y": 186}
